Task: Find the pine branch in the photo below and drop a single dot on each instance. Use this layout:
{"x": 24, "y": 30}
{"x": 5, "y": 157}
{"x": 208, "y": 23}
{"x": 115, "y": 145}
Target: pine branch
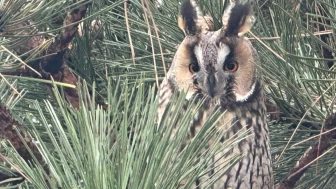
{"x": 311, "y": 154}
{"x": 53, "y": 65}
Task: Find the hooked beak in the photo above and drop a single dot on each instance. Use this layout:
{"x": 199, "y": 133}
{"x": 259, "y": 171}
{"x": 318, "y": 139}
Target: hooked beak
{"x": 211, "y": 85}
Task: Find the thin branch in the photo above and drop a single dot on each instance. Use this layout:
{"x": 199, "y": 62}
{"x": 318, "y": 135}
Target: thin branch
{"x": 303, "y": 117}
{"x": 311, "y": 155}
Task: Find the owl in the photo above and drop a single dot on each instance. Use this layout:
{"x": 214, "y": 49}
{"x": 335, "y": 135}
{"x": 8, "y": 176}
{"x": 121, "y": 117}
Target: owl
{"x": 221, "y": 67}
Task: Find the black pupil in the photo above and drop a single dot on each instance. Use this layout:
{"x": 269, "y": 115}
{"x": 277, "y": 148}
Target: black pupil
{"x": 195, "y": 67}
{"x": 230, "y": 66}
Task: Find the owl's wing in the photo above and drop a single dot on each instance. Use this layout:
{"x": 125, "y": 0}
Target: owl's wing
{"x": 165, "y": 92}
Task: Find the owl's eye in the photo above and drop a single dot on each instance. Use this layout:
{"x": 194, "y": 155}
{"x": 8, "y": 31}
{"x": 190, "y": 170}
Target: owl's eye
{"x": 193, "y": 67}
{"x": 231, "y": 66}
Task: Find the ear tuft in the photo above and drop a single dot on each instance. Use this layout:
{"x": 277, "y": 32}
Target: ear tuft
{"x": 191, "y": 19}
{"x": 238, "y": 19}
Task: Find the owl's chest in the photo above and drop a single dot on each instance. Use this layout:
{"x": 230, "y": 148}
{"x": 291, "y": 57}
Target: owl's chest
{"x": 231, "y": 121}
{"x": 228, "y": 122}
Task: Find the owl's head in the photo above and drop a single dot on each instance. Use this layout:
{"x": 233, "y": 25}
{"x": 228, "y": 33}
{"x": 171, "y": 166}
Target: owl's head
{"x": 216, "y": 64}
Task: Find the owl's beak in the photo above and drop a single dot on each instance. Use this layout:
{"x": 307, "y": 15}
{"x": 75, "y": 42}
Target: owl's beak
{"x": 211, "y": 85}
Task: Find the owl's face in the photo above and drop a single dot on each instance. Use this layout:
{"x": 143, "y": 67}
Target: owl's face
{"x": 218, "y": 65}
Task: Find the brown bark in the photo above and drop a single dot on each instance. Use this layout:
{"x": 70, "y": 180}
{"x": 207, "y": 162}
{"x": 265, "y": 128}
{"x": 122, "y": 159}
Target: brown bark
{"x": 10, "y": 130}
{"x": 55, "y": 65}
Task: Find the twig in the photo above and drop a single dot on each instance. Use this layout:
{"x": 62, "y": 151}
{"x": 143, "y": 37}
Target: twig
{"x": 129, "y": 32}
{"x": 301, "y": 35}
{"x": 158, "y": 39}
{"x": 10, "y": 85}
{"x": 19, "y": 59}
{"x": 149, "y": 32}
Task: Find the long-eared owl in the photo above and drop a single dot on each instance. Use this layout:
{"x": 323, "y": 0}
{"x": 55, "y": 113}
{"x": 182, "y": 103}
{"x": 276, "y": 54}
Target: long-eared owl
{"x": 222, "y": 67}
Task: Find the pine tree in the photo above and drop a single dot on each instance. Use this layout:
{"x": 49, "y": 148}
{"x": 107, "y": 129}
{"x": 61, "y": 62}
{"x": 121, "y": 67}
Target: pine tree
{"x": 78, "y": 94}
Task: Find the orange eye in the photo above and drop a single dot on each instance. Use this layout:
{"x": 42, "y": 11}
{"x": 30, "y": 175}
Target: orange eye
{"x": 193, "y": 67}
{"x": 231, "y": 66}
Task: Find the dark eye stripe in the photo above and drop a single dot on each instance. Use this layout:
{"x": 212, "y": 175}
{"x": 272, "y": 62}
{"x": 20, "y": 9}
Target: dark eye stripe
{"x": 229, "y": 57}
{"x": 229, "y": 61}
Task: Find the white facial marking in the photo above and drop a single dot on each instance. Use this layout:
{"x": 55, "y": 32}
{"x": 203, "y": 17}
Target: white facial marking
{"x": 242, "y": 98}
{"x": 189, "y": 95}
{"x": 223, "y": 51}
{"x": 198, "y": 54}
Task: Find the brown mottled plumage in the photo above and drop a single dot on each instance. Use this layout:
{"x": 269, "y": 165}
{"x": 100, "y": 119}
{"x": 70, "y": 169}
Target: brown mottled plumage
{"x": 221, "y": 67}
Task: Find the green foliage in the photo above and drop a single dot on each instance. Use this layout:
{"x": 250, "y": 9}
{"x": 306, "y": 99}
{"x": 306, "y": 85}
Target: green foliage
{"x": 299, "y": 80}
{"x": 121, "y": 147}
{"x": 293, "y": 60}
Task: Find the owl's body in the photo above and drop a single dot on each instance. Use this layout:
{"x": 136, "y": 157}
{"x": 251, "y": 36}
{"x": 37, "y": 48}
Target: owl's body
{"x": 220, "y": 67}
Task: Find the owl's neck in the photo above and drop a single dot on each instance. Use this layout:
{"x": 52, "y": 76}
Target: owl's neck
{"x": 248, "y": 116}
{"x": 240, "y": 116}
{"x": 252, "y": 117}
